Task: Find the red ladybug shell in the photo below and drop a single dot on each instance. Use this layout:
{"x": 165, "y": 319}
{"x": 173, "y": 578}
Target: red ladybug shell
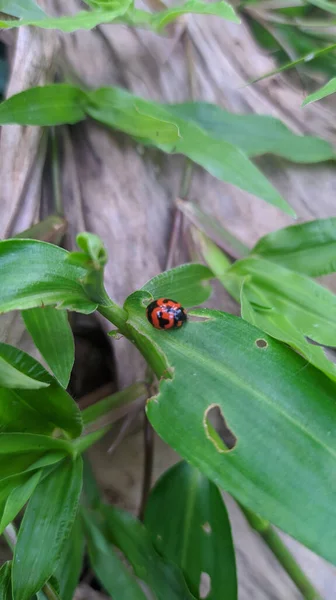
{"x": 166, "y": 314}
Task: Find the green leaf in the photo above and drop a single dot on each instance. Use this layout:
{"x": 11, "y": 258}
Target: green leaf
{"x": 255, "y": 134}
{"x": 220, "y": 9}
{"x": 70, "y": 564}
{"x": 325, "y": 90}
{"x": 19, "y": 462}
{"x": 14, "y": 370}
{"x": 187, "y": 284}
{"x": 221, "y": 159}
{"x": 5, "y": 581}
{"x": 308, "y": 248}
{"x": 46, "y": 525}
{"x": 188, "y": 520}
{"x": 273, "y": 403}
{"x": 310, "y": 307}
{"x": 162, "y": 576}
{"x": 114, "y": 576}
{"x": 53, "y": 337}
{"x": 22, "y": 9}
{"x": 81, "y": 20}
{"x": 40, "y": 106}
{"x": 15, "y": 492}
{"x": 50, "y": 405}
{"x": 324, "y": 4}
{"x": 36, "y": 273}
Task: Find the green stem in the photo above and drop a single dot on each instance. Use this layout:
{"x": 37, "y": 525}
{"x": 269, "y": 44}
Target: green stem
{"x": 56, "y": 176}
{"x": 117, "y": 315}
{"x": 284, "y": 556}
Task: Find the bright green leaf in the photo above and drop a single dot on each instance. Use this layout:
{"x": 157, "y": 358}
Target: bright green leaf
{"x": 255, "y": 134}
{"x": 40, "y": 106}
{"x": 14, "y": 370}
{"x": 221, "y": 159}
{"x": 310, "y": 307}
{"x": 53, "y": 337}
{"x": 36, "y": 273}
{"x": 111, "y": 572}
{"x": 6, "y": 581}
{"x": 189, "y": 523}
{"x": 308, "y": 248}
{"x": 51, "y": 404}
{"x": 324, "y": 4}
{"x": 71, "y": 561}
{"x": 46, "y": 525}
{"x": 162, "y": 576}
{"x": 220, "y": 9}
{"x": 187, "y": 284}
{"x": 22, "y": 8}
{"x": 81, "y": 20}
{"x": 270, "y": 399}
{"x": 15, "y": 492}
{"x": 326, "y": 90}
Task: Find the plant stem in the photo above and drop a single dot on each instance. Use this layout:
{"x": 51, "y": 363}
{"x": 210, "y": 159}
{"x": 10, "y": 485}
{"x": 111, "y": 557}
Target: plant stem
{"x": 116, "y": 315}
{"x": 55, "y": 171}
{"x": 148, "y": 466}
{"x": 284, "y": 556}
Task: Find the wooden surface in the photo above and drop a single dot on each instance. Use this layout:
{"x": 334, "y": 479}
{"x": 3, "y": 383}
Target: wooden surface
{"x": 126, "y": 193}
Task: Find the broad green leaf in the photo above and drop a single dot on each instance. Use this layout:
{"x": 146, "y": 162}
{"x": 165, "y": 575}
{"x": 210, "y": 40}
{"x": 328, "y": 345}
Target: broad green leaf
{"x": 70, "y": 564}
{"x": 80, "y": 20}
{"x": 324, "y": 4}
{"x": 36, "y": 273}
{"x": 46, "y": 525}
{"x": 277, "y": 325}
{"x": 189, "y": 523}
{"x": 310, "y": 307}
{"x": 25, "y": 442}
{"x": 221, "y": 159}
{"x": 135, "y": 116}
{"x": 187, "y": 284}
{"x": 308, "y": 248}
{"x": 14, "y": 493}
{"x": 255, "y": 134}
{"x": 22, "y": 463}
{"x": 14, "y": 370}
{"x": 220, "y": 9}
{"x": 111, "y": 572}
{"x": 50, "y": 405}
{"x": 40, "y": 106}
{"x": 22, "y": 9}
{"x": 326, "y": 90}
{"x": 102, "y": 407}
{"x": 53, "y": 337}
{"x": 6, "y": 581}
{"x": 273, "y": 403}
{"x": 162, "y": 576}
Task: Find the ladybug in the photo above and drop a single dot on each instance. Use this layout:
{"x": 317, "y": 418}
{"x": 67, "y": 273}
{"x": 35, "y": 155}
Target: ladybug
{"x": 166, "y": 314}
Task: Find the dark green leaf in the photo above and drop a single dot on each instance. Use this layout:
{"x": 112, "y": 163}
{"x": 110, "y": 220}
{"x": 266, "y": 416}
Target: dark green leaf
{"x": 273, "y": 403}
{"x": 5, "y": 581}
{"x": 70, "y": 564}
{"x": 189, "y": 523}
{"x": 46, "y": 525}
{"x": 50, "y": 405}
{"x": 111, "y": 572}
{"x": 15, "y": 370}
{"x": 39, "y": 106}
{"x": 15, "y": 492}
{"x": 163, "y": 577}
{"x": 308, "y": 248}
{"x": 326, "y": 90}
{"x": 53, "y": 337}
{"x": 22, "y": 8}
{"x": 220, "y": 158}
{"x": 81, "y": 20}
{"x": 255, "y": 134}
{"x": 188, "y": 284}
{"x": 35, "y": 273}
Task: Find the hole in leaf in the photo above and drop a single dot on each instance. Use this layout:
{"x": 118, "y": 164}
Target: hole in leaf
{"x": 261, "y": 343}
{"x": 217, "y": 430}
{"x": 205, "y": 585}
{"x": 207, "y": 528}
